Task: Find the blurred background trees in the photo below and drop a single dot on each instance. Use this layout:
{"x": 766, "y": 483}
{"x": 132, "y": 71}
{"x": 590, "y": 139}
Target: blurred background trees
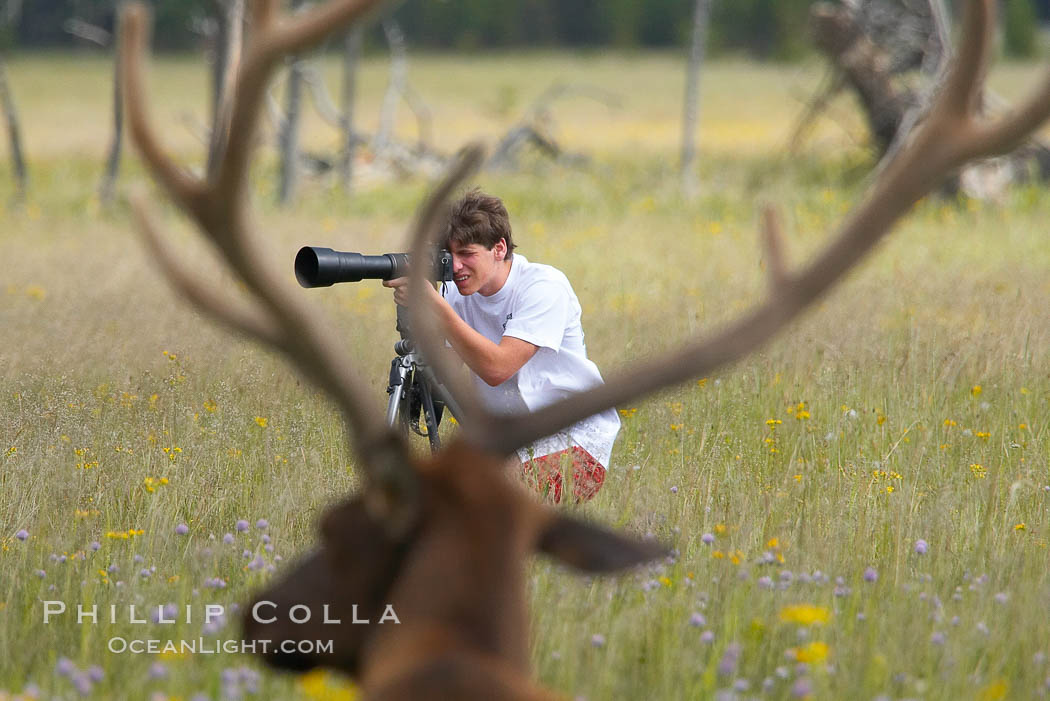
{"x": 766, "y": 29}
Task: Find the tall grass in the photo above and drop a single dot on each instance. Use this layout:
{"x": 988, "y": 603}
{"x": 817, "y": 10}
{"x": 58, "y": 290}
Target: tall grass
{"x": 908, "y": 406}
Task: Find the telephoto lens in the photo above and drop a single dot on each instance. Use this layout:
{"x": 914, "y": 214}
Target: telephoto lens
{"x": 322, "y": 267}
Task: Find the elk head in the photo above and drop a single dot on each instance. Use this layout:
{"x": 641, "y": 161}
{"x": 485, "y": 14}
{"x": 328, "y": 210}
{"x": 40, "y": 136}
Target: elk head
{"x": 451, "y": 587}
{"x": 443, "y": 541}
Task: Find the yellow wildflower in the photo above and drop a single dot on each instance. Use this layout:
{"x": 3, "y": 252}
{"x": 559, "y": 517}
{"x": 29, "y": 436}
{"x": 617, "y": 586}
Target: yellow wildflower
{"x": 813, "y": 653}
{"x": 805, "y": 614}
{"x": 996, "y": 691}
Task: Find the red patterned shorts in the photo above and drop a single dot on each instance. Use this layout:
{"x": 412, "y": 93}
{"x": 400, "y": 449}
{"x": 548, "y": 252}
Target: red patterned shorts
{"x": 544, "y": 474}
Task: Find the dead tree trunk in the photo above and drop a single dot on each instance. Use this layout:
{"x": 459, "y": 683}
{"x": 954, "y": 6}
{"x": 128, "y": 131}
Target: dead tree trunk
{"x": 289, "y": 136}
{"x": 351, "y": 57}
{"x": 227, "y": 61}
{"x": 100, "y": 37}
{"x": 866, "y": 67}
{"x": 107, "y": 187}
{"x": 14, "y": 136}
{"x": 398, "y": 76}
{"x": 893, "y": 108}
{"x": 691, "y": 113}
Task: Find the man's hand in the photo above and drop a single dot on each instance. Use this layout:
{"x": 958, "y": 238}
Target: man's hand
{"x": 494, "y": 363}
{"x": 400, "y": 287}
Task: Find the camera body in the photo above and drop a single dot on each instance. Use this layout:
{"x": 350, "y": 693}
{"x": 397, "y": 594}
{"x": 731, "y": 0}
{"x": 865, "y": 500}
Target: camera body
{"x": 323, "y": 267}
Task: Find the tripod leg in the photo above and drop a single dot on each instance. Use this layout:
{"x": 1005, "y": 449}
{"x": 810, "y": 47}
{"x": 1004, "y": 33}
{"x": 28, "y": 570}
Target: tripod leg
{"x": 396, "y": 390}
{"x": 429, "y": 414}
{"x": 441, "y": 393}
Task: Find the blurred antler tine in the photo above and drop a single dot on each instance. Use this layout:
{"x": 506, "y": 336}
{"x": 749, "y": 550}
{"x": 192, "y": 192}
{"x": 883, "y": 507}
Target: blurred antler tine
{"x": 220, "y": 209}
{"x": 431, "y": 223}
{"x": 949, "y": 137}
{"x": 773, "y": 244}
{"x": 271, "y": 40}
{"x": 182, "y": 187}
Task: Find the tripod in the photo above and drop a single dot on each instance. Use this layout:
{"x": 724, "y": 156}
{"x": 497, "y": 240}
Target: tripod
{"x": 415, "y": 390}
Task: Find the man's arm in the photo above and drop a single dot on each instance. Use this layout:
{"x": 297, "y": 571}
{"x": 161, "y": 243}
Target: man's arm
{"x": 493, "y": 363}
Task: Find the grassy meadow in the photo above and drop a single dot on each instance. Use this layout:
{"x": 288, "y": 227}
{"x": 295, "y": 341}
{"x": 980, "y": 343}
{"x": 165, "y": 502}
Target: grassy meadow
{"x": 858, "y": 511}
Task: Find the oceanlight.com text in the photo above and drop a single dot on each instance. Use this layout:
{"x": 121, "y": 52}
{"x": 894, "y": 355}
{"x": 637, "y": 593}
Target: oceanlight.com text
{"x": 200, "y": 646}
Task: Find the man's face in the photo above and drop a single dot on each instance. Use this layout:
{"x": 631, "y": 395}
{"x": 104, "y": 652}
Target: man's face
{"x": 478, "y": 269}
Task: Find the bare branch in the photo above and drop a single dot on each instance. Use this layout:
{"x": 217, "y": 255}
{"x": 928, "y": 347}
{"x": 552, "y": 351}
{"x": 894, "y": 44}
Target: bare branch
{"x": 87, "y": 31}
{"x": 271, "y": 40}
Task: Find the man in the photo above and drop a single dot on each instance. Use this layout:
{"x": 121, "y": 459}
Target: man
{"x": 516, "y": 326}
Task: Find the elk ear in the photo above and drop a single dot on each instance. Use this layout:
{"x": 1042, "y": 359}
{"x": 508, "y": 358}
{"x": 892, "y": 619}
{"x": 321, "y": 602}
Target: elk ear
{"x": 594, "y": 549}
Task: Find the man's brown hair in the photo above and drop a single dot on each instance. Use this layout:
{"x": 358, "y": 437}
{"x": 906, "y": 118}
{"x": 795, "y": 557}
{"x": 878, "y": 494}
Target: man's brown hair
{"x": 479, "y": 218}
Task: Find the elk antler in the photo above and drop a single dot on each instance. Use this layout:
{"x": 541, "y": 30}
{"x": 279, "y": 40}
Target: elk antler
{"x": 218, "y": 204}
{"x": 441, "y": 543}
{"x": 949, "y": 137}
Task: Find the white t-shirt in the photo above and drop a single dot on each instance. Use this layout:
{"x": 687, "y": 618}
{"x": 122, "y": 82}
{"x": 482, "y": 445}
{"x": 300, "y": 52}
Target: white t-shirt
{"x": 537, "y": 305}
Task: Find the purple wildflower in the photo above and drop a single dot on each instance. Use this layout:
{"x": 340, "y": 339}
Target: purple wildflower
{"x": 95, "y": 546}
{"x": 22, "y": 534}
{"x": 65, "y": 667}
{"x": 82, "y": 684}
{"x": 228, "y": 539}
{"x": 697, "y": 620}
{"x": 938, "y": 638}
{"x": 921, "y": 546}
{"x": 730, "y": 659}
{"x": 765, "y": 582}
{"x": 674, "y": 490}
{"x": 597, "y": 640}
{"x": 802, "y": 688}
{"x": 242, "y": 525}
{"x": 182, "y": 529}
{"x": 262, "y": 524}
{"x": 871, "y": 575}
{"x": 95, "y": 673}
{"x": 707, "y": 538}
{"x": 707, "y": 637}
